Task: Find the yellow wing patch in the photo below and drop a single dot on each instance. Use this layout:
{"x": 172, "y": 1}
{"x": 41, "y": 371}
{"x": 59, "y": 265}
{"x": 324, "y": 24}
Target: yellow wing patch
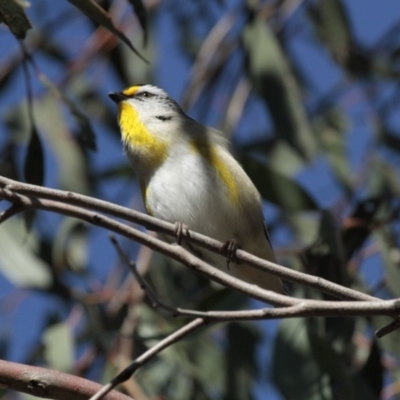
{"x": 130, "y": 91}
{"x": 210, "y": 153}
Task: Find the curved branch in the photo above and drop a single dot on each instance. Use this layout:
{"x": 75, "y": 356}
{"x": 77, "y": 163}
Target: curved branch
{"x": 42, "y": 382}
{"x": 167, "y": 228}
{"x": 148, "y": 355}
{"x": 62, "y": 204}
{"x": 173, "y": 251}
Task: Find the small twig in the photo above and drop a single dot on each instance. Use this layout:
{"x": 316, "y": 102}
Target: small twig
{"x": 11, "y": 211}
{"x": 155, "y": 302}
{"x": 148, "y": 355}
{"x": 300, "y": 307}
{"x": 388, "y": 329}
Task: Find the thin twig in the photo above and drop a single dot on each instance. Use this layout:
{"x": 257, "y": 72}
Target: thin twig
{"x": 148, "y": 355}
{"x": 155, "y": 302}
{"x": 300, "y": 307}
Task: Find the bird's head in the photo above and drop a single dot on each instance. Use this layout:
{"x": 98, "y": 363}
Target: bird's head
{"x": 148, "y": 104}
{"x": 148, "y": 119}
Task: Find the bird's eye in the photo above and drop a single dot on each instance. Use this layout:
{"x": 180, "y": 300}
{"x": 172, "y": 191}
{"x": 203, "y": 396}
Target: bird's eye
{"x": 146, "y": 94}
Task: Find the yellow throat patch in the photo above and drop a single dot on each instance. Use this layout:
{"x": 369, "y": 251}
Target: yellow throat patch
{"x": 148, "y": 147}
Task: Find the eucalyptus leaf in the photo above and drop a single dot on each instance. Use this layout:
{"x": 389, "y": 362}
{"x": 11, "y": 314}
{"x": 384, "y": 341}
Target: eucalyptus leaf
{"x": 373, "y": 371}
{"x": 241, "y": 366}
{"x": 331, "y": 129}
{"x": 72, "y": 165}
{"x": 391, "y": 258}
{"x": 330, "y": 363}
{"x": 141, "y": 14}
{"x": 59, "y": 347}
{"x": 100, "y": 16}
{"x": 333, "y": 27}
{"x": 85, "y": 133}
{"x": 34, "y": 160}
{"x": 295, "y": 370}
{"x": 18, "y": 262}
{"x": 70, "y": 245}
{"x": 13, "y": 15}
{"x": 270, "y": 74}
{"x": 277, "y": 188}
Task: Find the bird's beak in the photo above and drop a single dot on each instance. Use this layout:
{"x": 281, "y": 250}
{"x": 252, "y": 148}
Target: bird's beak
{"x": 117, "y": 97}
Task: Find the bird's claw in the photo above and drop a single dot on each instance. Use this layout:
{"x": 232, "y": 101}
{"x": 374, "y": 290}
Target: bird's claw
{"x": 229, "y": 248}
{"x": 181, "y": 230}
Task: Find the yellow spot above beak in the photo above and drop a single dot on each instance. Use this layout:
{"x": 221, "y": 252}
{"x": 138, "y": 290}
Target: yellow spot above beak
{"x": 131, "y": 90}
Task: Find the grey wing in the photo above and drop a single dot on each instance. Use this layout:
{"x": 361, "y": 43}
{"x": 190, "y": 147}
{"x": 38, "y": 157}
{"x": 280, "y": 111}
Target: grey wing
{"x": 267, "y": 234}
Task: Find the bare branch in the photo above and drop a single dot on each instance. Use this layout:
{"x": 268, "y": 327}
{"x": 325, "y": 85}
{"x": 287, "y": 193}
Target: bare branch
{"x": 11, "y": 211}
{"x": 300, "y": 307}
{"x": 155, "y": 302}
{"x": 167, "y": 228}
{"x": 176, "y": 252}
{"x": 42, "y": 382}
{"x": 71, "y": 204}
{"x": 149, "y": 354}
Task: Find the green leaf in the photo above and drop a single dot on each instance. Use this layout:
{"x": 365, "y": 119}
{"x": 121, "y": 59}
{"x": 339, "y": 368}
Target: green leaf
{"x": 331, "y": 129}
{"x": 391, "y": 258}
{"x": 8, "y": 162}
{"x": 34, "y": 160}
{"x": 390, "y": 139}
{"x": 85, "y": 133}
{"x": 59, "y": 347}
{"x": 292, "y": 164}
{"x": 208, "y": 358}
{"x": 325, "y": 258}
{"x": 277, "y": 188}
{"x": 72, "y": 165}
{"x": 295, "y": 370}
{"x": 100, "y": 16}
{"x": 330, "y": 363}
{"x": 358, "y": 225}
{"x": 18, "y": 261}
{"x": 270, "y": 74}
{"x": 241, "y": 365}
{"x": 373, "y": 371}
{"x": 332, "y": 27}
{"x": 70, "y": 245}
{"x": 141, "y": 14}
{"x": 12, "y": 14}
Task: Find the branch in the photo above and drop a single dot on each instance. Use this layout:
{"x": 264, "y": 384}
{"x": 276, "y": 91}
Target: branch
{"x": 42, "y": 382}
{"x": 167, "y": 228}
{"x": 63, "y": 204}
{"x": 299, "y": 308}
{"x": 148, "y": 355}
{"x": 302, "y": 308}
{"x": 173, "y": 251}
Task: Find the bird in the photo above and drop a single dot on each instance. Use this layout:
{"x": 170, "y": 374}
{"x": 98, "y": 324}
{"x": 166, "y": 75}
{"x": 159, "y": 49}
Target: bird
{"x": 189, "y": 177}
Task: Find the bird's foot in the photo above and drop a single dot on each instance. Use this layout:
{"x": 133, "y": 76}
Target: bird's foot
{"x": 181, "y": 230}
{"x": 229, "y": 248}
